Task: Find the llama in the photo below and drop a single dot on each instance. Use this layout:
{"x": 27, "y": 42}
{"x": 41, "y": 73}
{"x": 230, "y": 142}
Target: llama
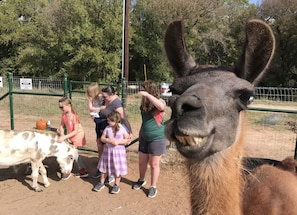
{"x": 272, "y": 190}
{"x": 18, "y": 147}
{"x": 207, "y": 123}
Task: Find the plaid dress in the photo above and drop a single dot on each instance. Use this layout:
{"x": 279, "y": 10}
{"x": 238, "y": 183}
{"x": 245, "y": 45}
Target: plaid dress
{"x": 113, "y": 160}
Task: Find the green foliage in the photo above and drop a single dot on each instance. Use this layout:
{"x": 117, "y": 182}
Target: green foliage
{"x": 281, "y": 15}
{"x": 207, "y": 33}
{"x": 147, "y": 57}
{"x": 83, "y": 38}
{"x": 51, "y": 38}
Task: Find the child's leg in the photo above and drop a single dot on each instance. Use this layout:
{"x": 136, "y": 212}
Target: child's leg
{"x": 100, "y": 148}
{"x": 101, "y": 184}
{"x": 116, "y": 188}
{"x": 81, "y": 166}
{"x": 118, "y": 180}
{"x": 102, "y": 177}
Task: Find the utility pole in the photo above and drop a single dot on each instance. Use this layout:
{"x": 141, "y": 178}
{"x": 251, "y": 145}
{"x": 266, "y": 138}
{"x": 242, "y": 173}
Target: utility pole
{"x": 125, "y": 50}
{"x": 126, "y": 39}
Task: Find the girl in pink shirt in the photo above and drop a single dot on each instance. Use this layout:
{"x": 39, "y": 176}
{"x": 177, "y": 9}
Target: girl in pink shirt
{"x": 74, "y": 132}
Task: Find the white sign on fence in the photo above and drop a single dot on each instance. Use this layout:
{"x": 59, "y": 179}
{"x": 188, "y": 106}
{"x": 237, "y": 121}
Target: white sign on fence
{"x": 1, "y": 82}
{"x": 26, "y": 83}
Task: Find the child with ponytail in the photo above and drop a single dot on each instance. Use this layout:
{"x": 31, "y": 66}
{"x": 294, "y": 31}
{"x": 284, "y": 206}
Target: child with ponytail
{"x": 113, "y": 160}
{"x": 75, "y": 134}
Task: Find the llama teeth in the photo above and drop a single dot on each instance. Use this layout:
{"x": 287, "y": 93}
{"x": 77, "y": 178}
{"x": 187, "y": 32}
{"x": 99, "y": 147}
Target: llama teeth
{"x": 189, "y": 140}
{"x": 198, "y": 140}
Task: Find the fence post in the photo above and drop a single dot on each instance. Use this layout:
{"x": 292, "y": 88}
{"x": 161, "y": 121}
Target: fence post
{"x": 10, "y": 101}
{"x": 65, "y": 85}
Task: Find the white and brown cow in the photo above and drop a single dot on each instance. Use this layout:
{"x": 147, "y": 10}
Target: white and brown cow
{"x": 17, "y": 147}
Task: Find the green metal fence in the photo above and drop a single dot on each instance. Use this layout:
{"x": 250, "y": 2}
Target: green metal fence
{"x": 41, "y": 102}
{"x": 271, "y": 120}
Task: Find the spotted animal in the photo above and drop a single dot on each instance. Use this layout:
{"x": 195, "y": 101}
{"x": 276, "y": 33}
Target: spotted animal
{"x": 18, "y": 147}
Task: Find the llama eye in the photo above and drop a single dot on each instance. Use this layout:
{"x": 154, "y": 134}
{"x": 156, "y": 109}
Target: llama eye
{"x": 251, "y": 99}
{"x": 246, "y": 97}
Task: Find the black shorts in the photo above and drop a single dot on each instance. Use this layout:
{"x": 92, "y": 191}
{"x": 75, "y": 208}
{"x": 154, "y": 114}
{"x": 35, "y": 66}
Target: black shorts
{"x": 157, "y": 147}
{"x": 100, "y": 126}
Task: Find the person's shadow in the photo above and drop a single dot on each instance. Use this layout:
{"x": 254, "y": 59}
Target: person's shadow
{"x": 131, "y": 183}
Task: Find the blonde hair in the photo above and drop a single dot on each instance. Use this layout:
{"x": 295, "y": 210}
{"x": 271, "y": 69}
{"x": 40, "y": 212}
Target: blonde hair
{"x": 93, "y": 91}
{"x": 67, "y": 101}
{"x": 115, "y": 116}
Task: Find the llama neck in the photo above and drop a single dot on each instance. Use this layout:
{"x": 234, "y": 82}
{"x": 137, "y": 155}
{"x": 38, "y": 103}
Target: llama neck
{"x": 216, "y": 182}
{"x": 216, "y": 188}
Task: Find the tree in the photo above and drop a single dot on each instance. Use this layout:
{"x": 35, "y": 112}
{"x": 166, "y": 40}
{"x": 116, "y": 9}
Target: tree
{"x": 207, "y": 32}
{"x": 282, "y": 16}
{"x": 84, "y": 38}
{"x": 53, "y": 37}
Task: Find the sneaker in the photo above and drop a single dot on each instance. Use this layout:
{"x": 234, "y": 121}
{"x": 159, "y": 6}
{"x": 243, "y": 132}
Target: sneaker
{"x": 115, "y": 189}
{"x": 99, "y": 187}
{"x": 81, "y": 175}
{"x": 109, "y": 179}
{"x": 97, "y": 174}
{"x": 138, "y": 184}
{"x": 152, "y": 192}
{"x": 65, "y": 176}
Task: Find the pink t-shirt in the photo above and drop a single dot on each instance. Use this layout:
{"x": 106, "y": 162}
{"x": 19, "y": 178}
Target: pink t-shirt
{"x": 79, "y": 139}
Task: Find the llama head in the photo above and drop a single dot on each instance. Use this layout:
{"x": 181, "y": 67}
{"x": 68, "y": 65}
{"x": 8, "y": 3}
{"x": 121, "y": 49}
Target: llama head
{"x": 207, "y": 100}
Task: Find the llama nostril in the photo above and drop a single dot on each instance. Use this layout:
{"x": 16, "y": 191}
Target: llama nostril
{"x": 187, "y": 103}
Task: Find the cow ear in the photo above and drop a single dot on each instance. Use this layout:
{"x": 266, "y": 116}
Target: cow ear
{"x": 179, "y": 58}
{"x": 258, "y": 51}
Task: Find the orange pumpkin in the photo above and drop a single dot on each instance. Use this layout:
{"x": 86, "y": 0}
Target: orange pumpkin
{"x": 41, "y": 124}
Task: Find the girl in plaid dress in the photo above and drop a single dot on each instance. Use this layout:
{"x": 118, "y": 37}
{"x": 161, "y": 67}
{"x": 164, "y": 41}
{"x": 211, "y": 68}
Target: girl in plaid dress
{"x": 113, "y": 159}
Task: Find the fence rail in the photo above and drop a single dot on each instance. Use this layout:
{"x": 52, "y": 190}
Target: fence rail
{"x": 274, "y": 111}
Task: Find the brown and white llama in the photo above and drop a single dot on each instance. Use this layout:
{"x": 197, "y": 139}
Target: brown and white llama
{"x": 206, "y": 124}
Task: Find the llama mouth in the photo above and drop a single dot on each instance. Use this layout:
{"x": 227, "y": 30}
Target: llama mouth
{"x": 196, "y": 144}
{"x": 191, "y": 141}
{"x": 194, "y": 147}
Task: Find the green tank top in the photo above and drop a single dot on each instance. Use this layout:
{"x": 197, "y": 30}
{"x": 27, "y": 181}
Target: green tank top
{"x": 152, "y": 127}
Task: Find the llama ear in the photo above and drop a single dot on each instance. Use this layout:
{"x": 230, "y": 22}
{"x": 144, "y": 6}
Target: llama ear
{"x": 258, "y": 51}
{"x": 179, "y": 58}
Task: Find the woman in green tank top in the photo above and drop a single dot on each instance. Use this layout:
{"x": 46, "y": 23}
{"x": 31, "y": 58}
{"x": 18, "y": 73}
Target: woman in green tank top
{"x": 152, "y": 140}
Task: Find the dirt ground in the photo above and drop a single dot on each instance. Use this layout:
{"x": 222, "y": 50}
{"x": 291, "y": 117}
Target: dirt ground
{"x": 75, "y": 196}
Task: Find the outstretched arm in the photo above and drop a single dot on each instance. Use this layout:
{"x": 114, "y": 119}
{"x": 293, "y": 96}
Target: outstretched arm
{"x": 160, "y": 104}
